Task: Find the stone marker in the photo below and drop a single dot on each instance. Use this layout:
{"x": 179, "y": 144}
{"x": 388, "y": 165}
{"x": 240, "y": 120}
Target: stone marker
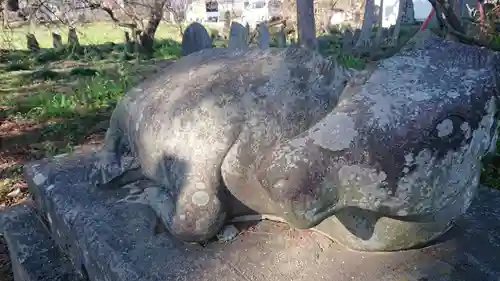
{"x": 408, "y": 16}
{"x": 129, "y": 43}
{"x": 195, "y": 38}
{"x": 373, "y": 173}
{"x": 73, "y": 38}
{"x": 281, "y": 37}
{"x": 356, "y": 35}
{"x": 264, "y": 37}
{"x": 386, "y": 36}
{"x": 126, "y": 37}
{"x": 238, "y": 36}
{"x": 324, "y": 44}
{"x": 32, "y": 43}
{"x": 57, "y": 41}
{"x": 347, "y": 40}
{"x": 82, "y": 18}
{"x": 137, "y": 33}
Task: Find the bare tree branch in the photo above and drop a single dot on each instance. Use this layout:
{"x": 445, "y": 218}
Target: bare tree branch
{"x": 447, "y": 17}
{"x": 98, "y": 5}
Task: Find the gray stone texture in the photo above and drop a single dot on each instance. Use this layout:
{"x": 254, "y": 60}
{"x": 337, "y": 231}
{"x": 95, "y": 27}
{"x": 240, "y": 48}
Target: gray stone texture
{"x": 356, "y": 35}
{"x": 115, "y": 235}
{"x": 34, "y": 255}
{"x": 194, "y": 39}
{"x": 281, "y": 38}
{"x": 408, "y": 16}
{"x": 57, "y": 41}
{"x": 32, "y": 43}
{"x": 347, "y": 40}
{"x": 387, "y": 163}
{"x": 238, "y": 36}
{"x": 73, "y": 40}
{"x": 264, "y": 37}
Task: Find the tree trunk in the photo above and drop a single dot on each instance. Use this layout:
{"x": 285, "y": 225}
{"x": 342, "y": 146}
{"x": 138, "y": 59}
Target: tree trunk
{"x": 364, "y": 41}
{"x": 147, "y": 36}
{"x": 12, "y": 5}
{"x": 290, "y": 12}
{"x": 397, "y": 27}
{"x": 378, "y": 37}
{"x": 305, "y": 23}
{"x": 448, "y": 20}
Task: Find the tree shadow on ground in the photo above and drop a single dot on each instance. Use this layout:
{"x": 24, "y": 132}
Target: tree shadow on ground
{"x": 84, "y": 53}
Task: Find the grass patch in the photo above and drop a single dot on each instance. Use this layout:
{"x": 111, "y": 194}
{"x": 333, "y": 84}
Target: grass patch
{"x": 56, "y": 99}
{"x": 16, "y": 66}
{"x": 43, "y": 75}
{"x": 88, "y": 34}
{"x": 83, "y": 71}
{"x": 91, "y": 94}
{"x": 490, "y": 175}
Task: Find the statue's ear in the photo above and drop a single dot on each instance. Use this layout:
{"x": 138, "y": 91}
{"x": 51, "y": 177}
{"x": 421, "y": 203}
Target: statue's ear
{"x": 263, "y": 163}
{"x": 269, "y": 167}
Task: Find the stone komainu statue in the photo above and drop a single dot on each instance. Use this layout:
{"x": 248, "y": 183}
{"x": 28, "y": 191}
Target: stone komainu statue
{"x": 384, "y": 159}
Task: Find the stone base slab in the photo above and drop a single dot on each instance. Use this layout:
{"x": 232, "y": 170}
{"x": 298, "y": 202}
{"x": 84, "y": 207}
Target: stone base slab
{"x": 33, "y": 253}
{"x": 113, "y": 235}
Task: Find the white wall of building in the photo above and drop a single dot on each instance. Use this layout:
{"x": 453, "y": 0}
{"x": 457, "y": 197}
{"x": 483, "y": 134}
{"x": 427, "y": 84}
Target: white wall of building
{"x": 422, "y": 9}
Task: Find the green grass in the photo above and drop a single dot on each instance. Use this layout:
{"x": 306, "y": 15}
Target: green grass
{"x": 89, "y": 95}
{"x": 88, "y": 34}
{"x": 93, "y": 92}
{"x": 56, "y": 97}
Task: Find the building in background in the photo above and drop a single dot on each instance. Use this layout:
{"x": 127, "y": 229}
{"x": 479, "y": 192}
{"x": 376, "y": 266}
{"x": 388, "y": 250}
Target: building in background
{"x": 214, "y": 11}
{"x": 257, "y": 11}
{"x": 417, "y": 10}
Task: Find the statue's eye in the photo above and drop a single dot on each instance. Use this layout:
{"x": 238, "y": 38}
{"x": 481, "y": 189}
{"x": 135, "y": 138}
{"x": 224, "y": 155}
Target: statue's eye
{"x": 451, "y": 131}
{"x": 279, "y": 184}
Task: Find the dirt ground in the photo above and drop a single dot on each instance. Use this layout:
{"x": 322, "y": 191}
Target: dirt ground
{"x": 23, "y": 153}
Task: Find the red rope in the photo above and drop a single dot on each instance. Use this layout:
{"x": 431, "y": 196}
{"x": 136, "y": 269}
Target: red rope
{"x": 427, "y": 20}
{"x": 481, "y": 12}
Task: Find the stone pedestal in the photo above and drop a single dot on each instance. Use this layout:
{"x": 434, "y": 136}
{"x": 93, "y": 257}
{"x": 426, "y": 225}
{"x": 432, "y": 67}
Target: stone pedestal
{"x": 72, "y": 231}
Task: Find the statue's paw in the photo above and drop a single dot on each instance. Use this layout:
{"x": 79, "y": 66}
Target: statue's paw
{"x": 196, "y": 227}
{"x": 197, "y": 220}
{"x": 95, "y": 177}
{"x": 104, "y": 171}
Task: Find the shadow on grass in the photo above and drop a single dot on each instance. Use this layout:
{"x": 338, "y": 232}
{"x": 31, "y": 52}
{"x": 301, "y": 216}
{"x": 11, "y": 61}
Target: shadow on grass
{"x": 16, "y": 60}
{"x": 36, "y": 140}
